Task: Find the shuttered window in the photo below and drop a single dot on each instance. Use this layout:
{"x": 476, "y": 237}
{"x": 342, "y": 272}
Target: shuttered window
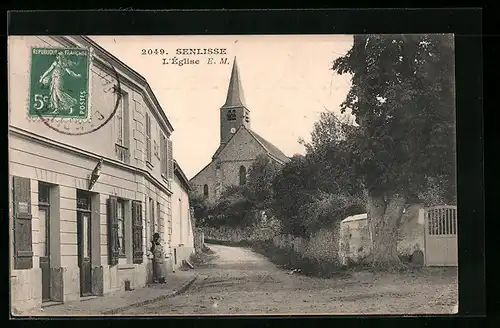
{"x": 113, "y": 243}
{"x": 137, "y": 232}
{"x": 23, "y": 248}
{"x": 120, "y": 124}
{"x": 152, "y": 217}
{"x": 121, "y": 227}
{"x": 148, "y": 137}
{"x": 170, "y": 160}
{"x": 163, "y": 154}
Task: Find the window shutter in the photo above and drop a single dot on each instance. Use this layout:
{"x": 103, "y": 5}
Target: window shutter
{"x": 23, "y": 248}
{"x": 148, "y": 137}
{"x": 137, "y": 231}
{"x": 163, "y": 155}
{"x": 170, "y": 160}
{"x": 113, "y": 249}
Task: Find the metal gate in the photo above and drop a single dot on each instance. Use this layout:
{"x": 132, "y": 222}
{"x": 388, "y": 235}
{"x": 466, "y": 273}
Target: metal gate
{"x": 441, "y": 245}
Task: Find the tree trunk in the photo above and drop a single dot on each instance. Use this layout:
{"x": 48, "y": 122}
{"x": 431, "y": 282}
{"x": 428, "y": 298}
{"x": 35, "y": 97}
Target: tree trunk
{"x": 384, "y": 217}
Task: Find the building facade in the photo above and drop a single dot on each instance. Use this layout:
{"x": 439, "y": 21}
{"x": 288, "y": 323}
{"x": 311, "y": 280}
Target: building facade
{"x": 182, "y": 241}
{"x": 71, "y": 239}
{"x": 239, "y": 146}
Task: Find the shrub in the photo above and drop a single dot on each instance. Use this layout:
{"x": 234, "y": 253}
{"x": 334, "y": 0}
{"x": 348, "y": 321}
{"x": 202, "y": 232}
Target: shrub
{"x": 327, "y": 210}
{"x": 289, "y": 259}
{"x": 323, "y": 246}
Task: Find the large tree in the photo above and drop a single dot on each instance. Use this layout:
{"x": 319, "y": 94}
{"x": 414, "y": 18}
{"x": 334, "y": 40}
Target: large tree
{"x": 293, "y": 187}
{"x": 260, "y": 177}
{"x": 242, "y": 205}
{"x": 403, "y": 98}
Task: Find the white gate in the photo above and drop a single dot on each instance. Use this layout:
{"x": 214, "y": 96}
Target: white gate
{"x": 441, "y": 244}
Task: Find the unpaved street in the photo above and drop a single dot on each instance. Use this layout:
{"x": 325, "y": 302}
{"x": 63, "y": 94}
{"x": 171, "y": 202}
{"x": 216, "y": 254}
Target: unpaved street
{"x": 239, "y": 281}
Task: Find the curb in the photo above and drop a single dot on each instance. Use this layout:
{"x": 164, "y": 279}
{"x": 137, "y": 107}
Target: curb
{"x": 185, "y": 286}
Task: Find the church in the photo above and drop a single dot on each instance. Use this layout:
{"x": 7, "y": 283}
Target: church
{"x": 239, "y": 146}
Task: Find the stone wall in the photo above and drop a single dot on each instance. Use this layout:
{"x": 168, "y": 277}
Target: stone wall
{"x": 355, "y": 238}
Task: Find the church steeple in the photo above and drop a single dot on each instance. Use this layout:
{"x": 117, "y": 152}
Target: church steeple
{"x": 235, "y": 96}
{"x": 234, "y": 112}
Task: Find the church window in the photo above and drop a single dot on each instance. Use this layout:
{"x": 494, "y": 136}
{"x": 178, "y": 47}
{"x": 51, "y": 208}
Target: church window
{"x": 247, "y": 116}
{"x": 205, "y": 190}
{"x": 243, "y": 175}
{"x": 231, "y": 115}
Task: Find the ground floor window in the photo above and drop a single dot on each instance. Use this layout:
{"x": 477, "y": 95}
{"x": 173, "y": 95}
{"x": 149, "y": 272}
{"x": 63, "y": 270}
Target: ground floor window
{"x": 151, "y": 218}
{"x": 121, "y": 227}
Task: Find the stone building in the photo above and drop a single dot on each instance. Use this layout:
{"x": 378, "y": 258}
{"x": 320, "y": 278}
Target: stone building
{"x": 239, "y": 145}
{"x": 70, "y": 239}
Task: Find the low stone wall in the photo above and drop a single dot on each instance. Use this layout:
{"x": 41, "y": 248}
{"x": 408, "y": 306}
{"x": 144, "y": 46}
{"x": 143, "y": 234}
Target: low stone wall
{"x": 355, "y": 239}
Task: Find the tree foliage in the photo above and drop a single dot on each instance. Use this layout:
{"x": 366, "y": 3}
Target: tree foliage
{"x": 403, "y": 98}
{"x": 200, "y": 206}
{"x": 260, "y": 177}
{"x": 233, "y": 208}
{"x": 240, "y": 206}
{"x": 293, "y": 187}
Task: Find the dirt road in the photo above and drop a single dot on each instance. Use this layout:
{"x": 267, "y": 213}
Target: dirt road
{"x": 239, "y": 281}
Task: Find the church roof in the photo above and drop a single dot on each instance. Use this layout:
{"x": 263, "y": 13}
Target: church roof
{"x": 268, "y": 147}
{"x": 235, "y": 97}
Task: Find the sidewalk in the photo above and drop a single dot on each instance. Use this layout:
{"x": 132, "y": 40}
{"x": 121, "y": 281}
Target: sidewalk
{"x": 114, "y": 303}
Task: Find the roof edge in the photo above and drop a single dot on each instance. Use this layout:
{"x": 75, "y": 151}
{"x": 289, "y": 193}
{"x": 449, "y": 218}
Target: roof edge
{"x": 269, "y": 153}
{"x": 138, "y": 78}
{"x": 180, "y": 174}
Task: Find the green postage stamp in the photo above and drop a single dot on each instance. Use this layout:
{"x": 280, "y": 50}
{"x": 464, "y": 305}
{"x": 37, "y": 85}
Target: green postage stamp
{"x": 60, "y": 83}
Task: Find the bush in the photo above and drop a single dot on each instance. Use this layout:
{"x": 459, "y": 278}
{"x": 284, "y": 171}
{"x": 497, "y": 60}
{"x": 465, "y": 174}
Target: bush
{"x": 327, "y": 210}
{"x": 292, "y": 260}
{"x": 236, "y": 235}
{"x": 198, "y": 259}
{"x": 323, "y": 246}
{"x": 240, "y": 243}
{"x": 207, "y": 250}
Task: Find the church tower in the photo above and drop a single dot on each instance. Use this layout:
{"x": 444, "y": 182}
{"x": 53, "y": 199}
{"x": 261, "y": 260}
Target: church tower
{"x": 234, "y": 113}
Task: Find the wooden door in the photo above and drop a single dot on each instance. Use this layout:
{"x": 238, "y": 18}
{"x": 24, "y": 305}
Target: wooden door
{"x": 43, "y": 217}
{"x": 84, "y": 249}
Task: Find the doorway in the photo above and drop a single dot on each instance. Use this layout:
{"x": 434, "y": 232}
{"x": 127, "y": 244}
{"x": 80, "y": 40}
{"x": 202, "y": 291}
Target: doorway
{"x": 83, "y": 219}
{"x": 44, "y": 219}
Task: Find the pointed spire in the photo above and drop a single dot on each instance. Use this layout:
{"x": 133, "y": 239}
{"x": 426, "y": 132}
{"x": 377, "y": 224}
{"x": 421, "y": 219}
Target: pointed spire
{"x": 235, "y": 97}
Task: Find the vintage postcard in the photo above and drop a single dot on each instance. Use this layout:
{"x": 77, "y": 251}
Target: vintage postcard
{"x": 235, "y": 174}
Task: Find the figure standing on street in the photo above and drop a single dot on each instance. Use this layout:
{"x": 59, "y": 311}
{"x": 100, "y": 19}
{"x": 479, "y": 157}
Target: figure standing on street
{"x": 158, "y": 260}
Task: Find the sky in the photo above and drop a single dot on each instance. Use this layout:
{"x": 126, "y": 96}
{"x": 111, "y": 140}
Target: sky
{"x": 287, "y": 83}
